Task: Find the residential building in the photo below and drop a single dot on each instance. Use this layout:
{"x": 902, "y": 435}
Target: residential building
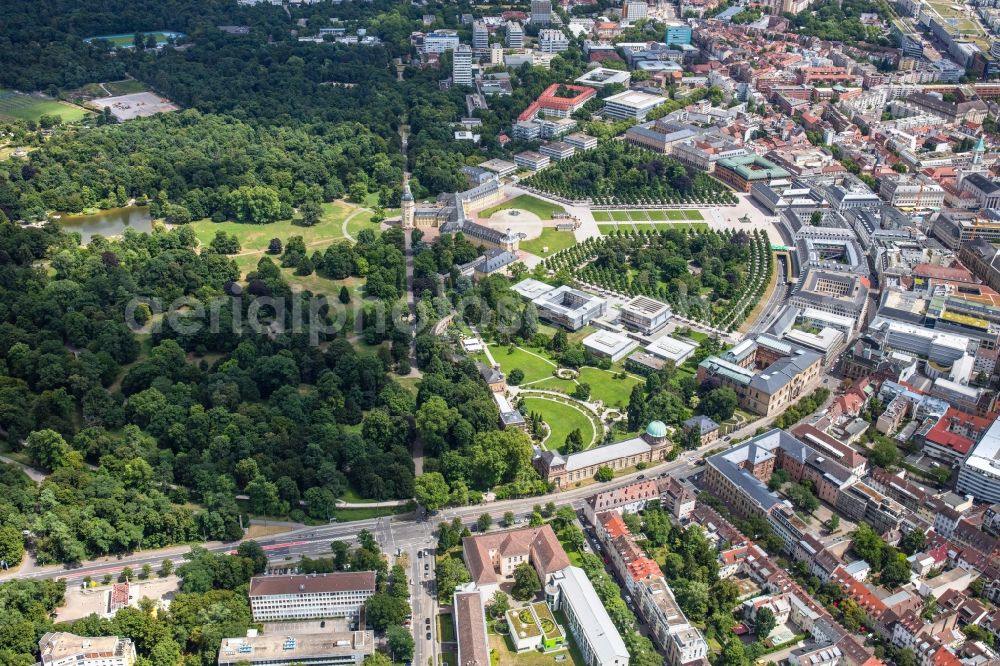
{"x": 560, "y": 470}
{"x": 328, "y": 648}
{"x": 627, "y": 499}
{"x": 979, "y": 475}
{"x": 644, "y": 314}
{"x": 631, "y": 104}
{"x": 589, "y": 622}
{"x": 471, "y": 635}
{"x": 461, "y": 68}
{"x": 312, "y": 596}
{"x": 741, "y": 173}
{"x": 634, "y": 10}
{"x": 514, "y": 37}
{"x": 552, "y": 41}
{"x": 708, "y": 430}
{"x": 61, "y": 648}
{"x": 608, "y": 344}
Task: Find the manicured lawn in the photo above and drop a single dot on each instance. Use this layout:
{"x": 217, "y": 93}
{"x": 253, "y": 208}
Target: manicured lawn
{"x": 676, "y": 215}
{"x": 607, "y": 229}
{"x": 347, "y": 515}
{"x": 555, "y": 384}
{"x": 620, "y": 215}
{"x": 604, "y": 386}
{"x": 17, "y": 106}
{"x": 561, "y": 418}
{"x": 543, "y": 209}
{"x": 534, "y": 368}
{"x": 362, "y": 220}
{"x": 254, "y": 237}
{"x": 694, "y": 215}
{"x": 657, "y": 215}
{"x": 551, "y": 238}
{"x": 602, "y": 216}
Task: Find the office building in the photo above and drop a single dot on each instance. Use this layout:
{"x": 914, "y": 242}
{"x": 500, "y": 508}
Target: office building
{"x": 529, "y": 159}
{"x": 986, "y": 191}
{"x": 661, "y": 135}
{"x": 329, "y": 648}
{"x": 608, "y": 344}
{"x": 440, "y": 41}
{"x": 918, "y": 192}
{"x": 493, "y": 557}
{"x": 634, "y": 10}
{"x": 60, "y": 648}
{"x": 631, "y": 104}
{"x": 514, "y": 39}
{"x": 601, "y": 77}
{"x": 552, "y": 41}
{"x": 461, "y": 66}
{"x": 645, "y": 314}
{"x": 480, "y": 36}
{"x": 955, "y": 228}
{"x": 568, "y": 307}
{"x": 741, "y": 173}
{"x": 307, "y": 597}
{"x": 581, "y": 141}
{"x": 979, "y": 475}
{"x": 541, "y": 12}
{"x": 671, "y": 349}
{"x": 557, "y": 150}
{"x": 843, "y": 294}
{"x": 589, "y": 622}
{"x": 679, "y": 33}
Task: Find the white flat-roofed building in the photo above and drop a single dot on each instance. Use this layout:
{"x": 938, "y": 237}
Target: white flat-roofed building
{"x": 514, "y": 37}
{"x": 61, "y": 648}
{"x": 570, "y": 307}
{"x": 609, "y": 344}
{"x": 600, "y": 77}
{"x": 645, "y": 314}
{"x": 581, "y": 141}
{"x": 312, "y": 596}
{"x": 823, "y": 319}
{"x": 941, "y": 348}
{"x": 595, "y": 633}
{"x": 500, "y": 167}
{"x": 552, "y": 41}
{"x": 979, "y": 475}
{"x": 828, "y": 342}
{"x": 631, "y": 104}
{"x": 529, "y": 288}
{"x": 329, "y": 648}
{"x": 557, "y": 150}
{"x": 671, "y": 349}
{"x": 440, "y": 41}
{"x": 461, "y": 66}
{"x": 529, "y": 159}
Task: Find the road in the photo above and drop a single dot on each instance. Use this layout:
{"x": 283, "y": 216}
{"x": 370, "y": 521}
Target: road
{"x": 774, "y": 303}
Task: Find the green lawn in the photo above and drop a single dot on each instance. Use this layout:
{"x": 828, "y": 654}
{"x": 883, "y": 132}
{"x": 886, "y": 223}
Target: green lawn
{"x": 351, "y": 496}
{"x": 657, "y": 215}
{"x": 551, "y": 238}
{"x": 534, "y": 368}
{"x": 363, "y": 220}
{"x": 125, "y": 87}
{"x": 676, "y": 215}
{"x": 602, "y": 216}
{"x": 607, "y": 229}
{"x": 347, "y": 515}
{"x": 621, "y": 215}
{"x": 16, "y": 106}
{"x": 604, "y": 386}
{"x": 566, "y": 386}
{"x": 694, "y": 215}
{"x": 445, "y": 629}
{"x": 543, "y": 209}
{"x": 561, "y": 418}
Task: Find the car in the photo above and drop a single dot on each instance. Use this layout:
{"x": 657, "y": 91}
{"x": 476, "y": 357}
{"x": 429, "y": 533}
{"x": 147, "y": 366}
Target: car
{"x": 640, "y": 477}
{"x": 727, "y": 438}
{"x": 428, "y": 635}
{"x": 427, "y": 566}
{"x": 420, "y": 553}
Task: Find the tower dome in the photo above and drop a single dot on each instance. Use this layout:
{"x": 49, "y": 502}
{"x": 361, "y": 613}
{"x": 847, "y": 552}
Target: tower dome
{"x": 657, "y": 429}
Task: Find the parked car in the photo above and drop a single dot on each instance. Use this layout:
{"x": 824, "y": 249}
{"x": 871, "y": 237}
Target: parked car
{"x": 428, "y": 635}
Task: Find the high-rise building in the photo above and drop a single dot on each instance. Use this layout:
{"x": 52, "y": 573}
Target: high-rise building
{"x": 515, "y": 35}
{"x": 480, "y": 36}
{"x": 461, "y": 66}
{"x": 635, "y": 10}
{"x": 677, "y": 33}
{"x": 541, "y": 11}
{"x": 552, "y": 41}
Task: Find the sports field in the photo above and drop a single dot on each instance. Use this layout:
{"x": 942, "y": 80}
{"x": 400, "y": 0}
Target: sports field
{"x": 127, "y": 41}
{"x": 638, "y": 215}
{"x": 21, "y": 106}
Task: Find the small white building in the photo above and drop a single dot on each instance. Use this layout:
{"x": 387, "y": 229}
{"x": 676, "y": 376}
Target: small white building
{"x": 631, "y": 104}
{"x": 671, "y": 349}
{"x": 608, "y": 344}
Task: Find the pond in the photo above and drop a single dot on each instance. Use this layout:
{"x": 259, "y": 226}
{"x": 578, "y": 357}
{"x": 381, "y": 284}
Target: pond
{"x": 110, "y": 222}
